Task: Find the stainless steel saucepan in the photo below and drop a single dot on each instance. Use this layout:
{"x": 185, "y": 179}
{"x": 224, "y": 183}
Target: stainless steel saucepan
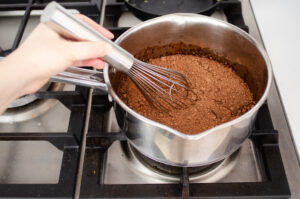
{"x": 160, "y": 142}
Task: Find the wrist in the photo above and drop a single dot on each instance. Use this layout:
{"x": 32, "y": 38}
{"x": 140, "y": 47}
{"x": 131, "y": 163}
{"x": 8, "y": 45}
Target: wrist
{"x": 10, "y": 87}
{"x": 17, "y": 76}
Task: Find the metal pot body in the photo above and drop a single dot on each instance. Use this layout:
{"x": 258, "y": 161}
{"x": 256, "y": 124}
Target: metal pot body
{"x": 166, "y": 145}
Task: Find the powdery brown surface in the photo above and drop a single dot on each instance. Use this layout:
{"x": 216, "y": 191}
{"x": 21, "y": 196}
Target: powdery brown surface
{"x": 222, "y": 94}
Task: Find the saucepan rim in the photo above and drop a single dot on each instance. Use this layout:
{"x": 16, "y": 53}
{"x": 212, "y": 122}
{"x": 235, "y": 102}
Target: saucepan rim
{"x": 201, "y": 134}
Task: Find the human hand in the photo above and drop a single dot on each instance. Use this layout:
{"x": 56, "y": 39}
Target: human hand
{"x": 45, "y": 53}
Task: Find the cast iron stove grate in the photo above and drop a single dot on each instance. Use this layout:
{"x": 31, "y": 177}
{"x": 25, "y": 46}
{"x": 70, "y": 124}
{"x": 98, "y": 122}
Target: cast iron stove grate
{"x": 265, "y": 138}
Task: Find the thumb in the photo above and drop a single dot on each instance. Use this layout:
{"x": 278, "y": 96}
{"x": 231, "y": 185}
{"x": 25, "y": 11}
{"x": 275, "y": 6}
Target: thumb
{"x": 83, "y": 50}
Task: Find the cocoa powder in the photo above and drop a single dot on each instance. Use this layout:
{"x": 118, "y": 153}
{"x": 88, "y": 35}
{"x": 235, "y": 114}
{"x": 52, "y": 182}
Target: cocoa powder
{"x": 221, "y": 94}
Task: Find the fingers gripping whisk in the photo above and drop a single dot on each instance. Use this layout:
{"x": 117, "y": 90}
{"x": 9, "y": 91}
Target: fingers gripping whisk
{"x": 164, "y": 88}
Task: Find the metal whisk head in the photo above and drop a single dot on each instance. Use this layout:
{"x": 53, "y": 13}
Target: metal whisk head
{"x": 164, "y": 88}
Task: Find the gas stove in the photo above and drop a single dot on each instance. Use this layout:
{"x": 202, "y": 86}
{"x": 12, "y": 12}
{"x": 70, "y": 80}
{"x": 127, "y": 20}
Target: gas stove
{"x": 66, "y": 142}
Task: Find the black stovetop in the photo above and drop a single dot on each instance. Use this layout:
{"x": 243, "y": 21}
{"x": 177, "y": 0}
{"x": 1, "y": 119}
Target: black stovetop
{"x": 264, "y": 137}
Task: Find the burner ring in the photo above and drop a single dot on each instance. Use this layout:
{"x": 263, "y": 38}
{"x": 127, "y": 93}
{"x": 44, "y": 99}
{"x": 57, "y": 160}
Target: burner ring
{"x": 173, "y": 171}
{"x": 31, "y": 110}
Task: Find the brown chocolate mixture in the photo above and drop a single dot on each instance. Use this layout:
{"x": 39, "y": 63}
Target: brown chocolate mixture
{"x": 221, "y": 94}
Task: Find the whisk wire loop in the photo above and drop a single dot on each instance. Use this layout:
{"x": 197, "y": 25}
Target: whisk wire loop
{"x": 164, "y": 88}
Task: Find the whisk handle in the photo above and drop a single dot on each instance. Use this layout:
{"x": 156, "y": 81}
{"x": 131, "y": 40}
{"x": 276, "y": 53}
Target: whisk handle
{"x": 60, "y": 20}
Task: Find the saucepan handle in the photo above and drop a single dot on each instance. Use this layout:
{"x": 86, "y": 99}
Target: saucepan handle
{"x": 82, "y": 77}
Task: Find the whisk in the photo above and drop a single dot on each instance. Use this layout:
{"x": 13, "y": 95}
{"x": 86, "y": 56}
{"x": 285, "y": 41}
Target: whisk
{"x": 164, "y": 88}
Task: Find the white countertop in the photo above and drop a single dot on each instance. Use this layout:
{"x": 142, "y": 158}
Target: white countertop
{"x": 279, "y": 24}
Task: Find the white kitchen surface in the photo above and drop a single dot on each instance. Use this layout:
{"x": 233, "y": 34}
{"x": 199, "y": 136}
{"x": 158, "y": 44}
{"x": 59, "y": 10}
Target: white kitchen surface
{"x": 279, "y": 24}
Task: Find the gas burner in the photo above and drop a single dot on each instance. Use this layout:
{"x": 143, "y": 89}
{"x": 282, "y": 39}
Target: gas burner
{"x": 29, "y": 107}
{"x": 127, "y": 19}
{"x": 144, "y": 169}
{"x": 174, "y": 171}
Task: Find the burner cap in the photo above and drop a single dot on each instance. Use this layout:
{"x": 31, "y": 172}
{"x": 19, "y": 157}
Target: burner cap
{"x": 147, "y": 9}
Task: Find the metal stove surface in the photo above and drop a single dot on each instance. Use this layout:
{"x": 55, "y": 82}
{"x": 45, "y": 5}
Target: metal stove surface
{"x": 39, "y": 162}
